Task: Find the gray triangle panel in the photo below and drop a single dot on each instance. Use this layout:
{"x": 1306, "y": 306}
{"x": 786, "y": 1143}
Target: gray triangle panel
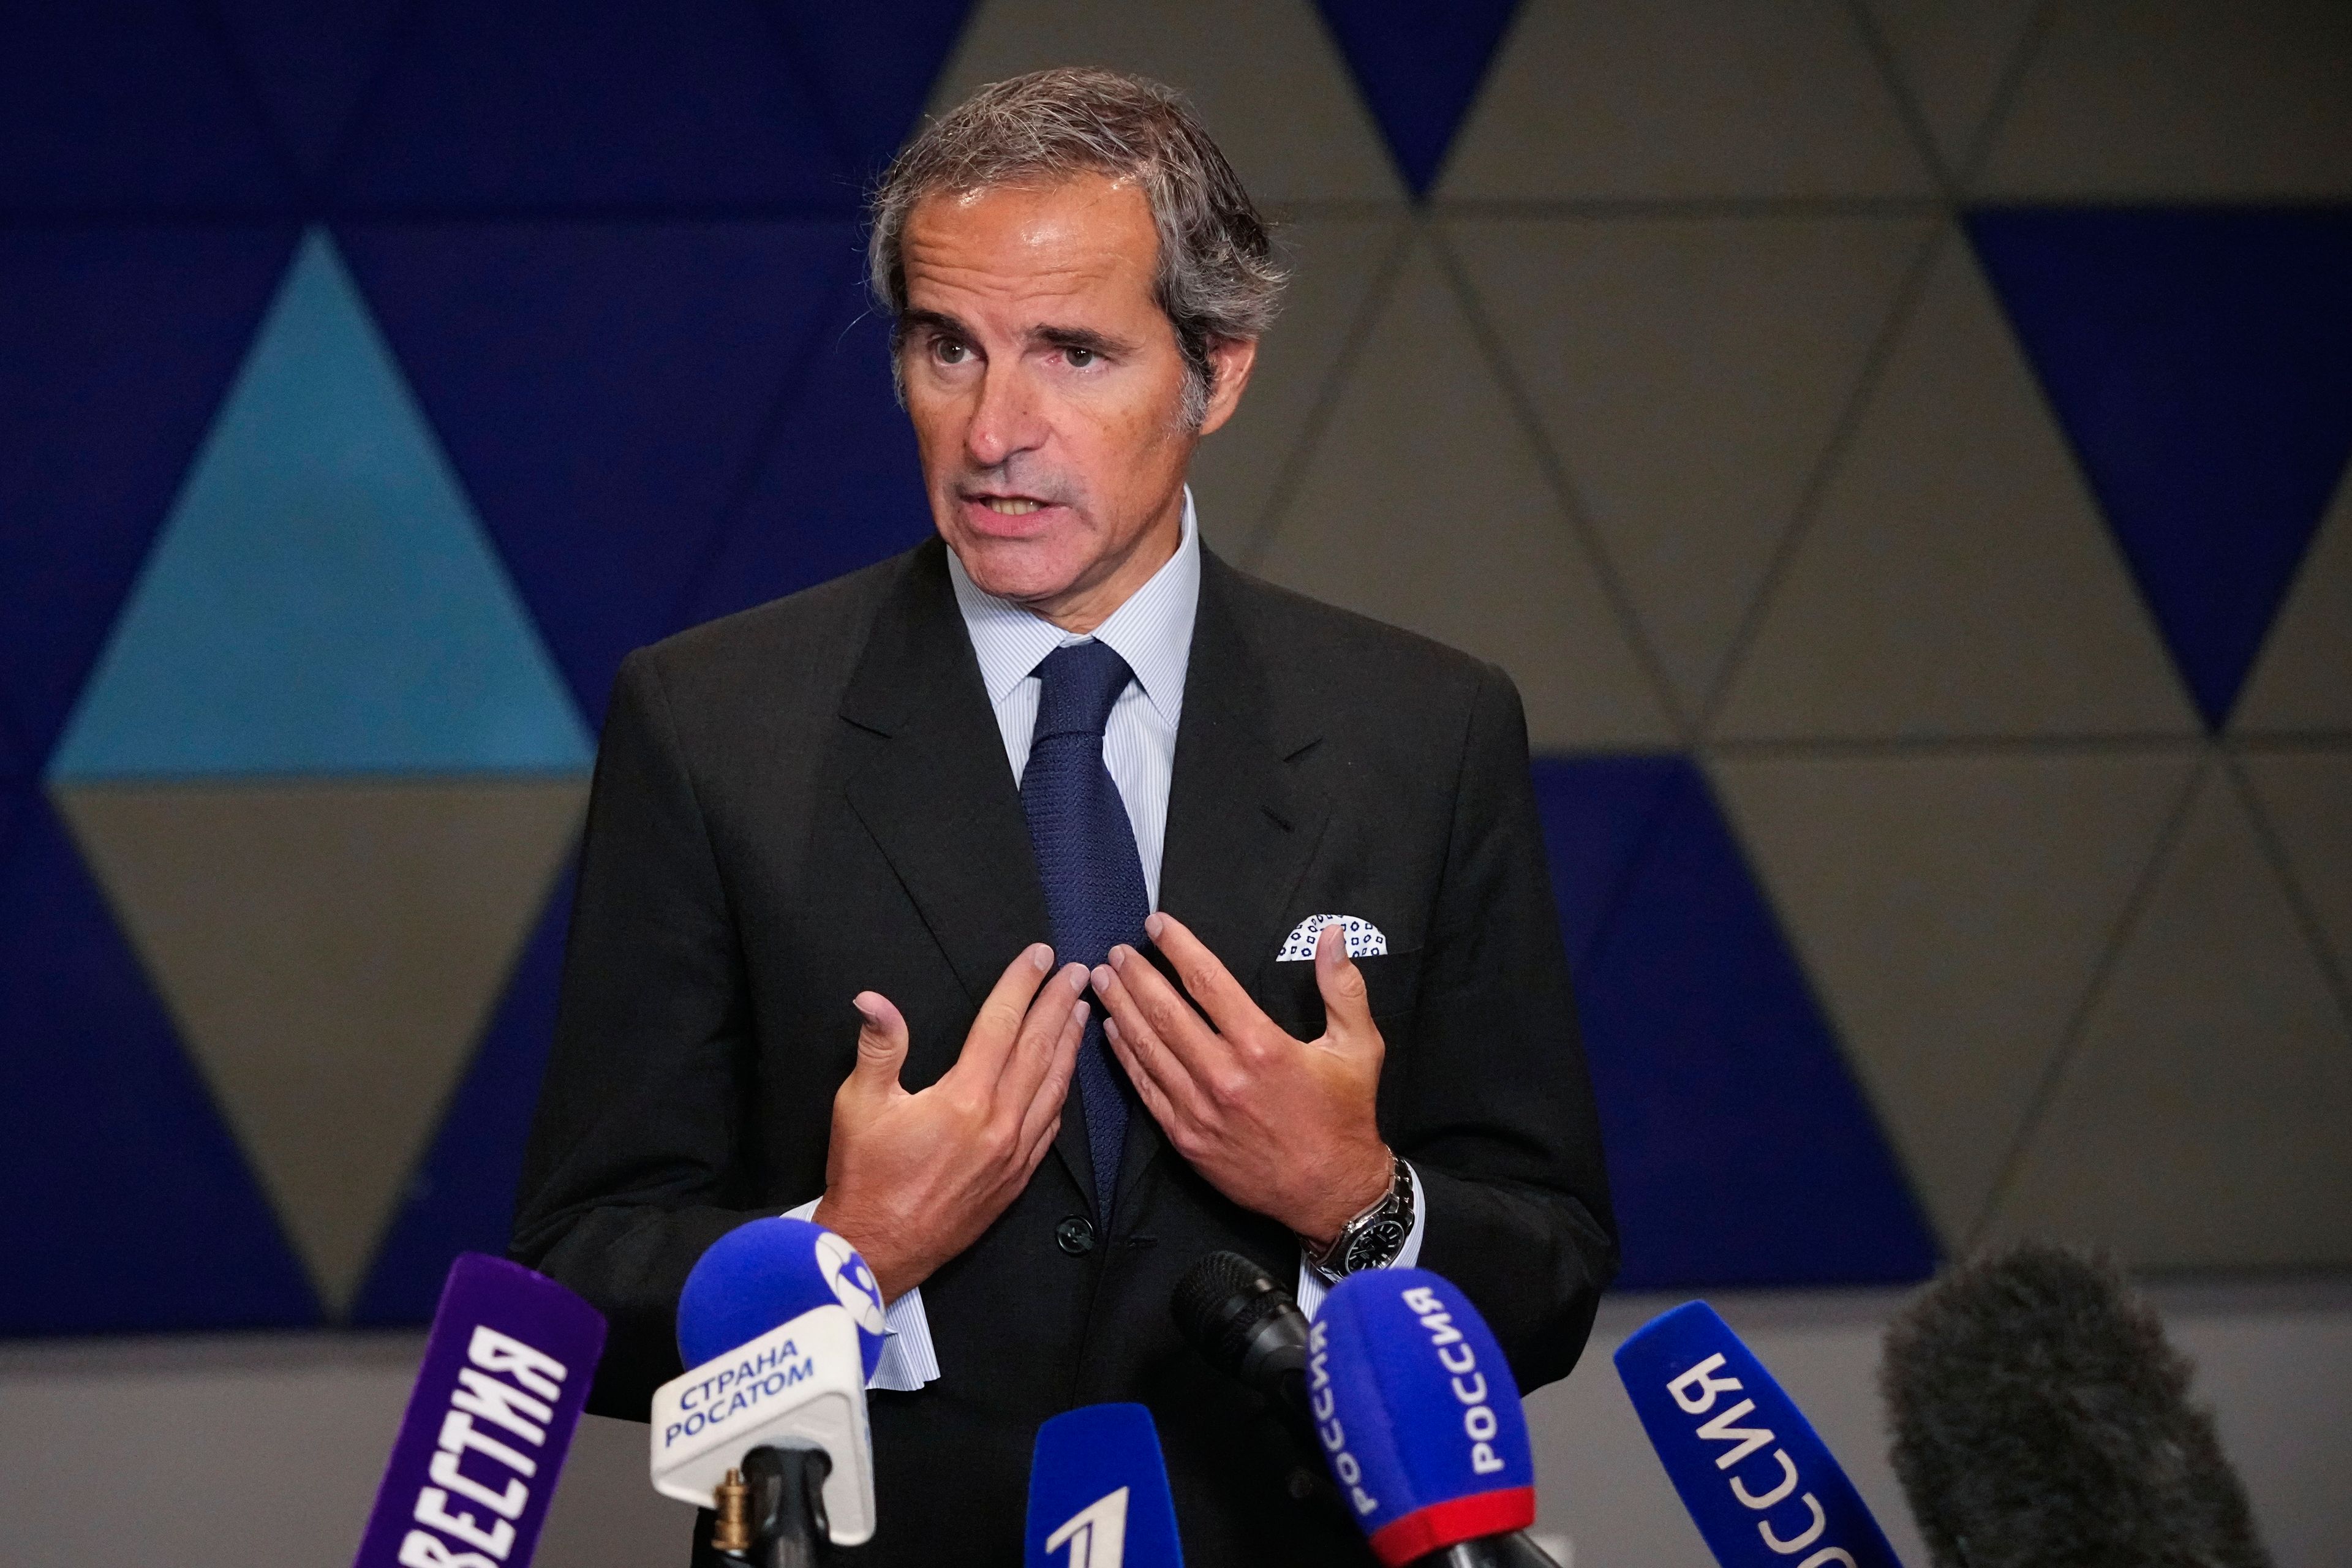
{"x": 1954, "y": 577}
{"x": 2199, "y": 1122}
{"x": 1953, "y": 62}
{"x": 2181, "y": 100}
{"x": 1241, "y": 470}
{"x": 2304, "y": 794}
{"x": 1954, "y": 910}
{"x": 331, "y": 952}
{"x": 2298, "y": 684}
{"x": 1690, "y": 375}
{"x": 1424, "y": 503}
{"x": 1682, "y": 102}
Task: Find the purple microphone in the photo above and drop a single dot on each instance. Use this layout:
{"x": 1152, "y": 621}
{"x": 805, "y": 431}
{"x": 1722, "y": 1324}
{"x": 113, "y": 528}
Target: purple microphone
{"x": 506, "y": 1373}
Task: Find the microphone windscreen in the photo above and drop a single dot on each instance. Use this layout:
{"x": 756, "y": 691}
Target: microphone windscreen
{"x": 490, "y": 1415}
{"x": 1098, "y": 1493}
{"x": 1418, "y": 1415}
{"x": 770, "y": 1271}
{"x": 1243, "y": 1323}
{"x": 1762, "y": 1488}
{"x": 2041, "y": 1417}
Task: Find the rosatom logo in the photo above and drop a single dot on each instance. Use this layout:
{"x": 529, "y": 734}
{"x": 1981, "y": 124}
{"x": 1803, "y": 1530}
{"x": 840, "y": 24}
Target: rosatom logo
{"x": 1095, "y": 1534}
{"x": 852, "y": 1283}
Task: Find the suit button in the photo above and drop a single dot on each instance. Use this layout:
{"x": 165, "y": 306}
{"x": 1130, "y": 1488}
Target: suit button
{"x": 1074, "y": 1235}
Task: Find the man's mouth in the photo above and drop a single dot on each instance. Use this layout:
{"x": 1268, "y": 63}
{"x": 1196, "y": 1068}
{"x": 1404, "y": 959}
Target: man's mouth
{"x": 1009, "y": 506}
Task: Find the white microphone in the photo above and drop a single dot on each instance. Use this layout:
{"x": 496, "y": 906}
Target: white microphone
{"x": 787, "y": 1405}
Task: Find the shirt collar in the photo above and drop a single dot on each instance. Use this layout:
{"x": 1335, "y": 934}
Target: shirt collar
{"x": 1152, "y": 630}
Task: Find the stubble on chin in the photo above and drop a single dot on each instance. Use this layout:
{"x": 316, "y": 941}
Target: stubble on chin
{"x": 1028, "y": 572}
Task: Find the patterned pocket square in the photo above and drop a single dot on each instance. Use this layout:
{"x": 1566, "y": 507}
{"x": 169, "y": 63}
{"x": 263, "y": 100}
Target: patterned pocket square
{"x": 1364, "y": 939}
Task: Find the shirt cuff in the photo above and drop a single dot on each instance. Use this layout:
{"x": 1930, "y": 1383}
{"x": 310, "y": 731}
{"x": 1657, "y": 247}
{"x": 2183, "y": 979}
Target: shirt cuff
{"x": 1311, "y": 1289}
{"x": 908, "y": 1361}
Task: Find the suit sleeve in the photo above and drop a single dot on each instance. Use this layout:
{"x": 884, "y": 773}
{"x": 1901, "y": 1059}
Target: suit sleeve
{"x": 1495, "y": 1108}
{"x": 629, "y": 1173}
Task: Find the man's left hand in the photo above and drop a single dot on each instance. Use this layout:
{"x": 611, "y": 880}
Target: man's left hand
{"x": 1282, "y": 1126}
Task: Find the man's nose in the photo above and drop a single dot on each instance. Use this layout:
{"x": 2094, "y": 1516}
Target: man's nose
{"x": 1007, "y": 420}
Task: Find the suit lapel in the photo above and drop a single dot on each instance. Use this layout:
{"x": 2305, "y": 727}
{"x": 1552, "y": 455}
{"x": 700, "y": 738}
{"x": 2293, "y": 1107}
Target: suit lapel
{"x": 939, "y": 800}
{"x": 1242, "y": 825}
{"x": 937, "y": 794}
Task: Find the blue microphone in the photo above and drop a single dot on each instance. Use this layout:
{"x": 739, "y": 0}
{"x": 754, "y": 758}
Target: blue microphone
{"x": 763, "y": 1273}
{"x": 1098, "y": 1493}
{"x": 1762, "y": 1488}
{"x": 1420, "y": 1421}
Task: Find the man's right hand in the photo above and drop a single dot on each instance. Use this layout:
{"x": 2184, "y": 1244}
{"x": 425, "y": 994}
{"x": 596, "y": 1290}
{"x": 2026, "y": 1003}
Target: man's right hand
{"x": 911, "y": 1180}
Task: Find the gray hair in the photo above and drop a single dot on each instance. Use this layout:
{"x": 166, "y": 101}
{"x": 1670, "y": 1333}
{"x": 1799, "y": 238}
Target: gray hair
{"x": 1216, "y": 275}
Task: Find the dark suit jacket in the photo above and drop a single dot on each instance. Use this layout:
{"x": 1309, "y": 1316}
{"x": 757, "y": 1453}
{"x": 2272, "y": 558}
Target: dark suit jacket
{"x": 811, "y": 798}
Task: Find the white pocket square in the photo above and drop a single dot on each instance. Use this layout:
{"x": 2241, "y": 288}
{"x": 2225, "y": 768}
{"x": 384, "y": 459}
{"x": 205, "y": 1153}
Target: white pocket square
{"x": 1364, "y": 939}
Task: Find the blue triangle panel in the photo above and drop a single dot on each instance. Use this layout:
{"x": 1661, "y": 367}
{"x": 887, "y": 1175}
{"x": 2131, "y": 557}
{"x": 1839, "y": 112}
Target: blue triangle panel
{"x": 841, "y": 486}
{"x": 590, "y": 105}
{"x": 604, "y": 389}
{"x": 461, "y": 1198}
{"x": 129, "y": 108}
{"x": 120, "y": 345}
{"x": 1597, "y": 813}
{"x": 2201, "y": 361}
{"x": 321, "y": 600}
{"x": 1740, "y": 1151}
{"x": 130, "y": 1208}
{"x": 311, "y": 64}
{"x": 874, "y": 65}
{"x": 1419, "y": 66}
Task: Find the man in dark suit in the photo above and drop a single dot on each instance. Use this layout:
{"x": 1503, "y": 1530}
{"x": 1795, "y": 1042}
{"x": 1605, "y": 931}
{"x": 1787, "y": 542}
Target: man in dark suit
{"x": 1312, "y": 1003}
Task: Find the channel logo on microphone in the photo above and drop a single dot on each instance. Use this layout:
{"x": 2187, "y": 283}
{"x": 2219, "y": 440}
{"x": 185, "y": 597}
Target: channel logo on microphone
{"x": 852, "y": 1283}
{"x": 1098, "y": 1493}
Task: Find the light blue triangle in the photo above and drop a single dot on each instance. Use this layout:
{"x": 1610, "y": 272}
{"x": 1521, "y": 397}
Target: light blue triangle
{"x": 321, "y": 598}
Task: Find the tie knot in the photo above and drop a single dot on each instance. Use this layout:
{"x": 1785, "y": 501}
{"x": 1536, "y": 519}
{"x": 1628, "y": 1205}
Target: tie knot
{"x": 1082, "y": 681}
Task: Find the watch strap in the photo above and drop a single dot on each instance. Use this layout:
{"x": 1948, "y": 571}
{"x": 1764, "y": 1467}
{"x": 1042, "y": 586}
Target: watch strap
{"x": 1381, "y": 1227}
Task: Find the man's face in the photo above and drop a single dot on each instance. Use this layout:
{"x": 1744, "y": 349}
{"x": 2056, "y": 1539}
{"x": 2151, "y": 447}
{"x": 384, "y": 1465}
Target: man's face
{"x": 1047, "y": 389}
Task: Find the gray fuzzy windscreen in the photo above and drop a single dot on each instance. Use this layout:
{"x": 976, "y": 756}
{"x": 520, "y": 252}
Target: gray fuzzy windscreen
{"x": 2040, "y": 1419}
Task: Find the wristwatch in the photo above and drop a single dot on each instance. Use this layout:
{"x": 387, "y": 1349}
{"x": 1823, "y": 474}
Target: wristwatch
{"x": 1374, "y": 1237}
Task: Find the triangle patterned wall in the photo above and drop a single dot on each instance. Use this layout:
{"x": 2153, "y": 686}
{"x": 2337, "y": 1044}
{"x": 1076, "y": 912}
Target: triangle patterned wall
{"x": 1904, "y": 456}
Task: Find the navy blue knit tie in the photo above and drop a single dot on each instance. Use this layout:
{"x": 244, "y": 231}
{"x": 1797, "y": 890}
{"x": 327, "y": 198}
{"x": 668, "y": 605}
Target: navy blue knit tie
{"x": 1085, "y": 854}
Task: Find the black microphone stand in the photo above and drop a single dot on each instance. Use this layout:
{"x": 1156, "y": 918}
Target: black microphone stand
{"x": 771, "y": 1515}
{"x": 1512, "y": 1550}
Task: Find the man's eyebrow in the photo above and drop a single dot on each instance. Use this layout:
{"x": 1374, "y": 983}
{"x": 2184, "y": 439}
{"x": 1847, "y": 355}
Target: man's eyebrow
{"x": 1084, "y": 337}
{"x": 910, "y": 322}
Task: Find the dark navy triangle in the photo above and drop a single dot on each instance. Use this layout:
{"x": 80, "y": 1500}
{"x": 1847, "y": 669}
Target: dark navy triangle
{"x": 461, "y": 1197}
{"x": 1419, "y": 66}
{"x": 591, "y": 106}
{"x": 129, "y": 109}
{"x": 311, "y": 64}
{"x": 130, "y": 1208}
{"x": 1597, "y": 813}
{"x": 1740, "y": 1151}
{"x": 840, "y": 486}
{"x": 17, "y": 785}
{"x": 322, "y": 599}
{"x": 120, "y": 346}
{"x": 604, "y": 390}
{"x": 874, "y": 65}
{"x": 2201, "y": 361}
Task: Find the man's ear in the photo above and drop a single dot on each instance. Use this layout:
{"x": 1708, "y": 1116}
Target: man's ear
{"x": 1230, "y": 363}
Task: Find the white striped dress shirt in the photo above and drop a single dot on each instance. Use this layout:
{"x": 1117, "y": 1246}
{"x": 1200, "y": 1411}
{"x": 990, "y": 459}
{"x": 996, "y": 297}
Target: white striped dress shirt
{"x": 1152, "y": 631}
